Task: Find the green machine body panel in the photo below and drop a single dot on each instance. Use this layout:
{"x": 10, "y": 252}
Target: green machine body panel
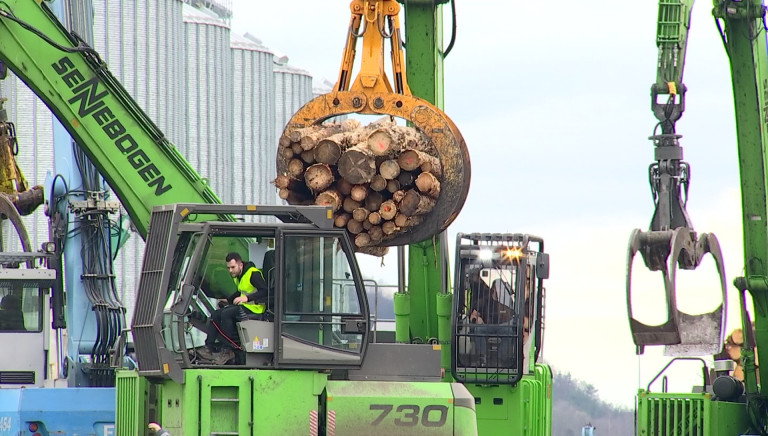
{"x": 246, "y": 402}
{"x": 674, "y": 414}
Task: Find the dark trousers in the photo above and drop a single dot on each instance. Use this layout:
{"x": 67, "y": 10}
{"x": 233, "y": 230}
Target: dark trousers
{"x": 224, "y": 321}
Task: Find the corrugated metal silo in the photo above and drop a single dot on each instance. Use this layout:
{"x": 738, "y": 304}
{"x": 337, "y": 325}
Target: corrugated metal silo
{"x": 209, "y": 99}
{"x": 143, "y": 43}
{"x": 293, "y": 89}
{"x": 254, "y": 135}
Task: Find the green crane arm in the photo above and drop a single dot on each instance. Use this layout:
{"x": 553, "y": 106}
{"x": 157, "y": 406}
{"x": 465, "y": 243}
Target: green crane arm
{"x": 742, "y": 26}
{"x": 673, "y": 24}
{"x": 129, "y": 150}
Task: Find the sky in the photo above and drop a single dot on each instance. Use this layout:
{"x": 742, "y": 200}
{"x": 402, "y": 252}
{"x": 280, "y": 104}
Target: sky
{"x": 554, "y": 105}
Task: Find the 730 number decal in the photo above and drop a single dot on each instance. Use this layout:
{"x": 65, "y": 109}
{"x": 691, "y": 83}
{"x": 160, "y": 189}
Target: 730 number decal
{"x": 409, "y": 415}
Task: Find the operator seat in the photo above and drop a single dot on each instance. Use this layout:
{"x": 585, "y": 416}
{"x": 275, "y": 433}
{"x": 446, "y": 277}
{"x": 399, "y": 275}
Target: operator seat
{"x": 11, "y": 315}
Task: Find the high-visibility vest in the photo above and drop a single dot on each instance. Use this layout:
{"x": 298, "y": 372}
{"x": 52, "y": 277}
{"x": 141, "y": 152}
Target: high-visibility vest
{"x": 245, "y": 287}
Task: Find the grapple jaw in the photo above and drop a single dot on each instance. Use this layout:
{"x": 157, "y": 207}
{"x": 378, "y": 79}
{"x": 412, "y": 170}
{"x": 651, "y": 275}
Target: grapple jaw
{"x": 450, "y": 145}
{"x": 665, "y": 251}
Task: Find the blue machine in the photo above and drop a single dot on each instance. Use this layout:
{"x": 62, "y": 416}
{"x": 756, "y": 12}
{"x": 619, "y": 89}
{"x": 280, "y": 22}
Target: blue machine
{"x": 80, "y": 399}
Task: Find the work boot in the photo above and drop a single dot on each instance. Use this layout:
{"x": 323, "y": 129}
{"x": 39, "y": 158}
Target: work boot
{"x": 206, "y": 353}
{"x": 224, "y": 356}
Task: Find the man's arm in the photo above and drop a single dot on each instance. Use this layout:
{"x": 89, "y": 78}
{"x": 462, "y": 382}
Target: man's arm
{"x": 258, "y": 282}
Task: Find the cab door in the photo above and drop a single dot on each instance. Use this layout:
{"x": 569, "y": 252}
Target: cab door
{"x": 322, "y": 313}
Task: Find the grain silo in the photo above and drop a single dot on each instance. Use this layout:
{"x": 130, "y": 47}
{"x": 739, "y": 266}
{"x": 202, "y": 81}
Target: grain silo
{"x": 254, "y": 132}
{"x": 293, "y": 89}
{"x": 152, "y": 71}
{"x": 208, "y": 146}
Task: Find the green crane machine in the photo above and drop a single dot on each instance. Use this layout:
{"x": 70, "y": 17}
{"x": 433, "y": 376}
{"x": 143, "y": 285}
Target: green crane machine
{"x": 310, "y": 368}
{"x": 724, "y": 404}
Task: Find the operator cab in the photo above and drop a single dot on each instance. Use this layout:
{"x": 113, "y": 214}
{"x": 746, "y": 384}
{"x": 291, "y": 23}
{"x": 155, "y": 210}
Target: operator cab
{"x": 498, "y": 306}
{"x": 316, "y": 311}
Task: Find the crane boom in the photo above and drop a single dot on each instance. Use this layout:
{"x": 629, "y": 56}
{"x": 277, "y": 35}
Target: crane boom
{"x": 129, "y": 150}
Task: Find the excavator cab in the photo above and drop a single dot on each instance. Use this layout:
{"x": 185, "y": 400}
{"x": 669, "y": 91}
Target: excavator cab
{"x": 498, "y": 306}
{"x": 317, "y": 313}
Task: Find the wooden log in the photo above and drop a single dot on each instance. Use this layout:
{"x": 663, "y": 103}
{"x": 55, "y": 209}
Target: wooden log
{"x": 374, "y": 218}
{"x": 388, "y": 210}
{"x": 416, "y": 204}
{"x": 389, "y": 169}
{"x": 357, "y": 164}
{"x": 292, "y": 197}
{"x": 282, "y": 181}
{"x": 406, "y": 179}
{"x": 344, "y": 186}
{"x": 358, "y": 192}
{"x": 296, "y": 148}
{"x": 341, "y": 219}
{"x": 354, "y": 226}
{"x": 411, "y": 159}
{"x": 284, "y": 141}
{"x": 376, "y": 233}
{"x": 428, "y": 184}
{"x": 433, "y": 167}
{"x": 373, "y": 201}
{"x": 363, "y": 239}
{"x": 389, "y": 227}
{"x": 327, "y": 152}
{"x": 295, "y": 135}
{"x": 350, "y": 205}
{"x": 331, "y": 198}
{"x": 367, "y": 225}
{"x": 296, "y": 169}
{"x": 308, "y": 156}
{"x": 386, "y": 141}
{"x": 398, "y": 196}
{"x": 378, "y": 183}
{"x": 285, "y": 152}
{"x": 402, "y": 221}
{"x": 393, "y": 186}
{"x": 318, "y": 177}
{"x": 360, "y": 214}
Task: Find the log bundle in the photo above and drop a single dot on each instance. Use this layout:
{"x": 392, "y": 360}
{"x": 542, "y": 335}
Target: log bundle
{"x": 381, "y": 179}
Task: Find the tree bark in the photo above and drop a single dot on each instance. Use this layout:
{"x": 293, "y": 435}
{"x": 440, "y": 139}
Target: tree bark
{"x": 403, "y": 221}
{"x": 377, "y": 251}
{"x": 411, "y": 159}
{"x": 357, "y": 164}
{"x": 318, "y": 177}
{"x": 363, "y": 239}
{"x": 284, "y": 141}
{"x": 387, "y": 141}
{"x": 376, "y": 233}
{"x": 389, "y": 227}
{"x": 428, "y": 184}
{"x": 416, "y": 204}
{"x": 292, "y": 197}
